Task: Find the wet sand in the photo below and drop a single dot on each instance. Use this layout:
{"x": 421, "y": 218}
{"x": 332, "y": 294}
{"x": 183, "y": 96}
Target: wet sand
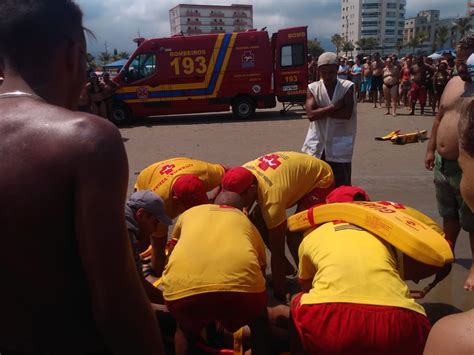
{"x": 386, "y": 171}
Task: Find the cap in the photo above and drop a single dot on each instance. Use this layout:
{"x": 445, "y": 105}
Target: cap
{"x": 237, "y": 180}
{"x": 470, "y": 67}
{"x": 347, "y": 194}
{"x": 328, "y": 58}
{"x": 190, "y": 191}
{"x": 151, "y": 203}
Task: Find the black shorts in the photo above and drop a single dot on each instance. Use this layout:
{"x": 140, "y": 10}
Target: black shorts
{"x": 377, "y": 83}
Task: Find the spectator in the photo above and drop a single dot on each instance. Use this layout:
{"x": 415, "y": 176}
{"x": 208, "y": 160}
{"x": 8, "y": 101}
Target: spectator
{"x": 331, "y": 109}
{"x": 440, "y": 80}
{"x": 377, "y": 80}
{"x": 420, "y": 76}
{"x": 405, "y": 81}
{"x": 391, "y": 79}
{"x": 95, "y": 91}
{"x": 343, "y": 70}
{"x": 109, "y": 90}
{"x": 366, "y": 86}
{"x": 356, "y": 72}
{"x": 63, "y": 205}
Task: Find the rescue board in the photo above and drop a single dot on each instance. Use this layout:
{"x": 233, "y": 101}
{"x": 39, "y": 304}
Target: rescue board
{"x": 405, "y": 233}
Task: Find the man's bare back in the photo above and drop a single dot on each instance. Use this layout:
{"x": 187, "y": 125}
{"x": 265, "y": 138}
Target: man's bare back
{"x": 43, "y": 157}
{"x": 451, "y": 106}
{"x": 69, "y": 281}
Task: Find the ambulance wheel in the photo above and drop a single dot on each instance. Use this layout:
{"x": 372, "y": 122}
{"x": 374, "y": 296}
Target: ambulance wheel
{"x": 120, "y": 114}
{"x": 243, "y": 107}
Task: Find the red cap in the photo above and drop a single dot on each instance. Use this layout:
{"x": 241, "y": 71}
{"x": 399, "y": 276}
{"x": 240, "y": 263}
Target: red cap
{"x": 347, "y": 194}
{"x": 237, "y": 180}
{"x": 190, "y": 191}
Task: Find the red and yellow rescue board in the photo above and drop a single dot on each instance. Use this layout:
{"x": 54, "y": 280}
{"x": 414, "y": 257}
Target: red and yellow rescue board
{"x": 405, "y": 233}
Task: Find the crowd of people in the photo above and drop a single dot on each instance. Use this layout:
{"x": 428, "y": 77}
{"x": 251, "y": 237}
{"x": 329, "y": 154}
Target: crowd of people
{"x": 391, "y": 82}
{"x": 64, "y": 206}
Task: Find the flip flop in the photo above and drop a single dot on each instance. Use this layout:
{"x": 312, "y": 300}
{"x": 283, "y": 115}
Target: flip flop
{"x": 388, "y": 136}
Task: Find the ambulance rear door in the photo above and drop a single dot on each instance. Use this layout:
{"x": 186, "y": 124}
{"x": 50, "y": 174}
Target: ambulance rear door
{"x": 290, "y": 48}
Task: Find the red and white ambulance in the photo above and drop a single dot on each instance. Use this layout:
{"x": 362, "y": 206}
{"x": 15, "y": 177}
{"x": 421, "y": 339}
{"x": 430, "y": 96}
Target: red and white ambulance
{"x": 212, "y": 73}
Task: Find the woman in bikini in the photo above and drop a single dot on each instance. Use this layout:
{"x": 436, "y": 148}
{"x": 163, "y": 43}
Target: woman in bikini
{"x": 391, "y": 79}
{"x": 95, "y": 90}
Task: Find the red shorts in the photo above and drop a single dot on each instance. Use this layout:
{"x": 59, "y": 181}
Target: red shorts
{"x": 418, "y": 92}
{"x": 232, "y": 309}
{"x": 314, "y": 197}
{"x": 350, "y": 328}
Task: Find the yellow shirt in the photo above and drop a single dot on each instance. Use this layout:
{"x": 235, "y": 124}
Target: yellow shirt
{"x": 218, "y": 250}
{"x": 160, "y": 177}
{"x": 350, "y": 265}
{"x": 283, "y": 179}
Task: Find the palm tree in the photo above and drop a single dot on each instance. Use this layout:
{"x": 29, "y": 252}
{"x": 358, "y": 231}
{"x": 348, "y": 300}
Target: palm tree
{"x": 462, "y": 25}
{"x": 347, "y": 47}
{"x": 105, "y": 58}
{"x": 413, "y": 43}
{"x": 91, "y": 61}
{"x": 441, "y": 36}
{"x": 338, "y": 42}
{"x": 367, "y": 43}
{"x": 422, "y": 37}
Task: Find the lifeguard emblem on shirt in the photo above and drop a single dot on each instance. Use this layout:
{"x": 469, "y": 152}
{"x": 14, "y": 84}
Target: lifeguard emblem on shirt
{"x": 167, "y": 169}
{"x": 269, "y": 161}
{"x": 142, "y": 92}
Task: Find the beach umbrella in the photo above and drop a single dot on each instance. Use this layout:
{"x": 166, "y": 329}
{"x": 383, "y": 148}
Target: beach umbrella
{"x": 435, "y": 56}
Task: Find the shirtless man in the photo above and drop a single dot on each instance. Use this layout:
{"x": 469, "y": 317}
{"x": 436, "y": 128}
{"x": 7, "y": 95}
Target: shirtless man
{"x": 76, "y": 290}
{"x": 420, "y": 78}
{"x": 377, "y": 80}
{"x": 442, "y": 154}
{"x": 109, "y": 90}
{"x": 453, "y": 334}
{"x": 366, "y": 79}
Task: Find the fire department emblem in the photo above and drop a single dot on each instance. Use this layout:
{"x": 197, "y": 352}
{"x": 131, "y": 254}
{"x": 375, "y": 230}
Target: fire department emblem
{"x": 248, "y": 59}
{"x": 167, "y": 169}
{"x": 269, "y": 161}
{"x": 142, "y": 92}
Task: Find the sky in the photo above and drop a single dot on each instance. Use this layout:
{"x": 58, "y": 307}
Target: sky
{"x": 117, "y": 22}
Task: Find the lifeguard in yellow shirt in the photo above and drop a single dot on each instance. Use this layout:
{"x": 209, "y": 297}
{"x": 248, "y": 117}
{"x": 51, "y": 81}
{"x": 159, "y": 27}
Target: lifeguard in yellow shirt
{"x": 354, "y": 298}
{"x": 216, "y": 273}
{"x": 181, "y": 183}
{"x": 278, "y": 181}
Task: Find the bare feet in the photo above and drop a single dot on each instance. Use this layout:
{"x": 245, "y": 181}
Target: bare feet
{"x": 387, "y": 113}
{"x": 412, "y": 113}
{"x": 469, "y": 283}
{"x": 394, "y": 114}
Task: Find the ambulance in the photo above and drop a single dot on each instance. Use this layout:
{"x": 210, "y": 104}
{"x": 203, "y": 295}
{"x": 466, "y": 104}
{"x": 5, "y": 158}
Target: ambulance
{"x": 241, "y": 71}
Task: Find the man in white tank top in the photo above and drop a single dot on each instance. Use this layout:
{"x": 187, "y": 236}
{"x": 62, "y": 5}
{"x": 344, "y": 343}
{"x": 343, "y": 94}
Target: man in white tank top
{"x": 331, "y": 109}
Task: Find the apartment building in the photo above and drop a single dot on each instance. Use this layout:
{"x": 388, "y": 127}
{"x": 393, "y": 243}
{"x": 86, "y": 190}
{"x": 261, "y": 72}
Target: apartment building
{"x": 200, "y": 19}
{"x": 383, "y": 20}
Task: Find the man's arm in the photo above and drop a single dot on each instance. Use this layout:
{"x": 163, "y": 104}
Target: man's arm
{"x": 345, "y": 112}
{"x": 431, "y": 148}
{"x": 316, "y": 113}
{"x": 158, "y": 257}
{"x": 120, "y": 307}
{"x": 276, "y": 238}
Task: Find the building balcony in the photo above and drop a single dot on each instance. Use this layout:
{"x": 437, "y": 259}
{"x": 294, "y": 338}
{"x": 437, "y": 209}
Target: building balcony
{"x": 193, "y": 13}
{"x": 217, "y": 30}
{"x": 216, "y": 14}
{"x": 193, "y": 31}
{"x": 240, "y": 14}
{"x": 217, "y": 23}
{"x": 240, "y": 22}
{"x": 194, "y": 22}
